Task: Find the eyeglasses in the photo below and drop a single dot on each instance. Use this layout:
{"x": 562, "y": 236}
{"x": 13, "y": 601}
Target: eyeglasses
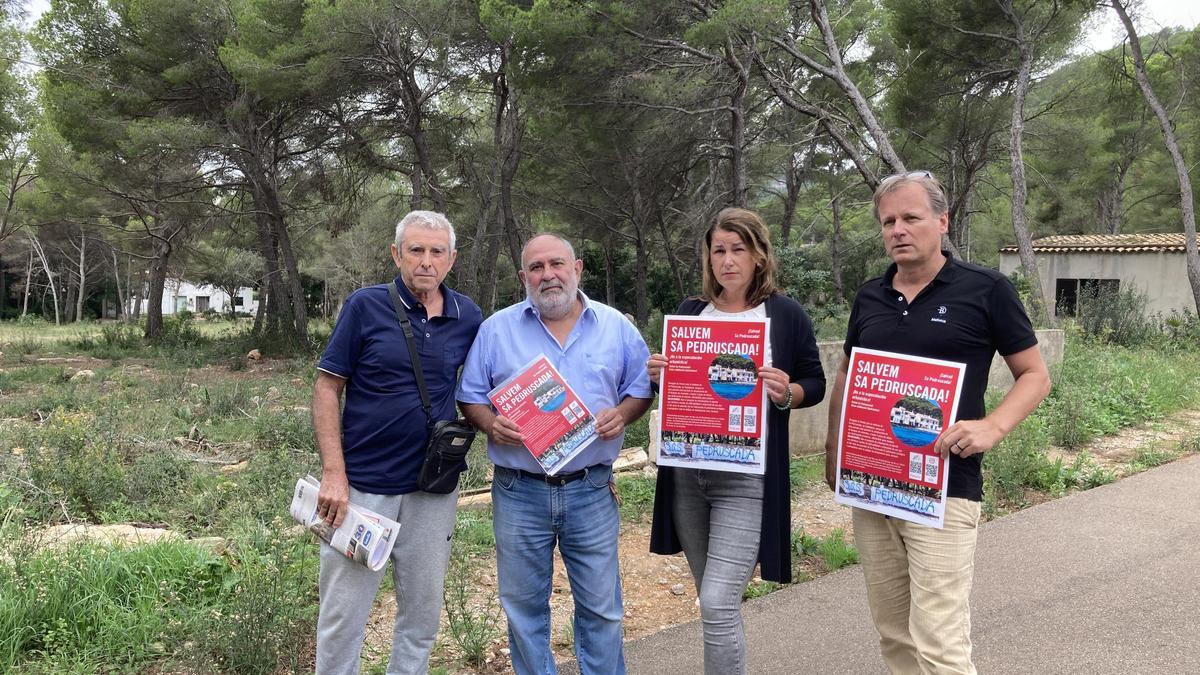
{"x": 922, "y": 173}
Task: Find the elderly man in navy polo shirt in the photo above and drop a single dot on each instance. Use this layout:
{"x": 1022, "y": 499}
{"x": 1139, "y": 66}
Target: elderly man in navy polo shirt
{"x": 372, "y": 454}
{"x": 602, "y": 357}
{"x": 929, "y": 304}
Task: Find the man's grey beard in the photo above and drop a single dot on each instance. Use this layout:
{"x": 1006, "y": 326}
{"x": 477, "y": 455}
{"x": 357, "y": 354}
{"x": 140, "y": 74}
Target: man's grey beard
{"x": 556, "y": 306}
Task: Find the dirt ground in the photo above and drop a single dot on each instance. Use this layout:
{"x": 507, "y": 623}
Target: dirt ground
{"x": 658, "y": 590}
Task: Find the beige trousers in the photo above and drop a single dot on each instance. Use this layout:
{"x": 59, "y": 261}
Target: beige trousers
{"x": 918, "y": 586}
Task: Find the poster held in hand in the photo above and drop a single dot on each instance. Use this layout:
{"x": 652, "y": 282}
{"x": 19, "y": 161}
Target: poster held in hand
{"x": 554, "y": 421}
{"x": 894, "y": 408}
{"x": 712, "y": 404}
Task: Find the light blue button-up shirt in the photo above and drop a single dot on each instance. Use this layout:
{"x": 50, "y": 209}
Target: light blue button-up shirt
{"x": 604, "y": 360}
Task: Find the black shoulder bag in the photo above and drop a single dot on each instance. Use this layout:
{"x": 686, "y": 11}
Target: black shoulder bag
{"x": 449, "y": 440}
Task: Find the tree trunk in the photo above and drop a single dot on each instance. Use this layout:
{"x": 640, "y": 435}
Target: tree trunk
{"x": 28, "y": 281}
{"x": 295, "y": 287}
{"x": 672, "y": 259}
{"x": 82, "y": 277}
{"x": 514, "y": 129}
{"x": 835, "y": 243}
{"x": 610, "y": 273}
{"x": 121, "y": 311}
{"x": 154, "y": 295}
{"x": 883, "y": 145}
{"x": 737, "y": 126}
{"x": 641, "y": 274}
{"x": 789, "y": 202}
{"x": 41, "y": 252}
{"x": 1187, "y": 205}
{"x": 1019, "y": 191}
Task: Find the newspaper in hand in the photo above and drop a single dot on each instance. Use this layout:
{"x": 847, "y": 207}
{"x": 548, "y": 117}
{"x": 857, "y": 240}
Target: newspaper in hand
{"x": 364, "y": 536}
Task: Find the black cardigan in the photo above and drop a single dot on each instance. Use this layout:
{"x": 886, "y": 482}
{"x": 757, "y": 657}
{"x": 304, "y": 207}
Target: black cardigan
{"x": 794, "y": 350}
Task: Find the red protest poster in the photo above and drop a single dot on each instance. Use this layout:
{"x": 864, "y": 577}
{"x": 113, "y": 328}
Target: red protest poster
{"x": 711, "y": 402}
{"x": 895, "y": 406}
{"x": 554, "y": 421}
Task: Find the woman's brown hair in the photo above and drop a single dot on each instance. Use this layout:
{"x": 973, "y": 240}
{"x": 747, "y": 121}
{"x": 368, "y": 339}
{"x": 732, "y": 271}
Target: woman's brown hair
{"x": 757, "y": 238}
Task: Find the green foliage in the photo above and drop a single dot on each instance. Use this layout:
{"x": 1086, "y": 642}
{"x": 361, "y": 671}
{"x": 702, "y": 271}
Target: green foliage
{"x": 1097, "y": 391}
{"x": 636, "y": 493}
{"x": 71, "y": 462}
{"x": 1118, "y": 317}
{"x": 1148, "y": 458}
{"x": 266, "y": 609}
{"x": 801, "y": 275}
{"x": 759, "y": 588}
{"x": 473, "y": 531}
{"x": 806, "y": 471}
{"x": 832, "y": 551}
{"x": 473, "y": 623}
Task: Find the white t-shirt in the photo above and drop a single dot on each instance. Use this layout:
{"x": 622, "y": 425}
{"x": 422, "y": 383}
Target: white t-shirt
{"x": 758, "y": 312}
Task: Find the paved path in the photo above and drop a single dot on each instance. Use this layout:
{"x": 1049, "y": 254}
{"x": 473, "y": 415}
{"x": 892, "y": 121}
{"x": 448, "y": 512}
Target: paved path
{"x": 1103, "y": 581}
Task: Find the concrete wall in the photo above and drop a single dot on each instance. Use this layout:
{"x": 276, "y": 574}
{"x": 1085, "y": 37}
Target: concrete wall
{"x": 808, "y": 425}
{"x": 1162, "y": 276}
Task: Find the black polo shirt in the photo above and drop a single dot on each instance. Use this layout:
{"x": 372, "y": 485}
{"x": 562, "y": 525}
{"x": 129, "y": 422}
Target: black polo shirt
{"x": 966, "y": 314}
{"x": 383, "y": 424}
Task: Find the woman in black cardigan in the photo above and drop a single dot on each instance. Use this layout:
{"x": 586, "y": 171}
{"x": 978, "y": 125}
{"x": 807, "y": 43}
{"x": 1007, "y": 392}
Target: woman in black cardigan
{"x": 725, "y": 522}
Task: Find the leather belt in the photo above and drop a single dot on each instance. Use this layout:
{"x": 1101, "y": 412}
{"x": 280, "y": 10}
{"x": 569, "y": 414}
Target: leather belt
{"x": 557, "y": 480}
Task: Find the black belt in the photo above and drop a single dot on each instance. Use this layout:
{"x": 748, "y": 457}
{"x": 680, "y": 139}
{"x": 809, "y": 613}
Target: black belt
{"x": 557, "y": 480}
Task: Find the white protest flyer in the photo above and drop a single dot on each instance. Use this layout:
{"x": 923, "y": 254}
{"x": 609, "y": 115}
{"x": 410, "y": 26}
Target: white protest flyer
{"x": 364, "y": 536}
{"x": 554, "y": 421}
{"x": 894, "y": 408}
{"x": 712, "y": 404}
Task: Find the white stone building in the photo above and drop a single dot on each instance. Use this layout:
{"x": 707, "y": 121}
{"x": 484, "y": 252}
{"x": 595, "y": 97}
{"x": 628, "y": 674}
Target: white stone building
{"x": 1072, "y": 264}
{"x": 180, "y": 295}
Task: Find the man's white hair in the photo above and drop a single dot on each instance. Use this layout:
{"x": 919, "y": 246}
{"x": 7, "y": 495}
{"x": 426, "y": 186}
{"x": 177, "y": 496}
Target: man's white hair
{"x": 430, "y": 220}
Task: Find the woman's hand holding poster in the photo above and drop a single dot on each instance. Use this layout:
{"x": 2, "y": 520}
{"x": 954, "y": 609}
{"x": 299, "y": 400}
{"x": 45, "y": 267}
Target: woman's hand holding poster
{"x": 895, "y": 407}
{"x": 711, "y": 402}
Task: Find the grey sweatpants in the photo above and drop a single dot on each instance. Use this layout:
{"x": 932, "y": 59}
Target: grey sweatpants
{"x": 419, "y": 561}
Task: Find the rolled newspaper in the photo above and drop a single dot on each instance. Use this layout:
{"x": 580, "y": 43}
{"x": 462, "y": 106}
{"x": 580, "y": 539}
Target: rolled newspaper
{"x": 364, "y": 536}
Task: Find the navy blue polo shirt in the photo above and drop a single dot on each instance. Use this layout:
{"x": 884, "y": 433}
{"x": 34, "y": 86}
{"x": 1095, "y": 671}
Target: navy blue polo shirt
{"x": 966, "y": 314}
{"x": 383, "y": 424}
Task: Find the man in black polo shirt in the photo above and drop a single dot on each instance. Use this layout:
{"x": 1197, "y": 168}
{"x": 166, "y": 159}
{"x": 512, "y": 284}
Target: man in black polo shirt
{"x": 371, "y": 454}
{"x": 928, "y": 304}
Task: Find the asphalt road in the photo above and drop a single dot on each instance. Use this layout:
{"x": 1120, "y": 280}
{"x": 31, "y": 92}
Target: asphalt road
{"x": 1103, "y": 581}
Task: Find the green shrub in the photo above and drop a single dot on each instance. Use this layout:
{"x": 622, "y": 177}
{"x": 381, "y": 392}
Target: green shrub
{"x": 473, "y": 622}
{"x": 1118, "y": 316}
{"x": 284, "y": 429}
{"x": 836, "y": 551}
{"x": 757, "y": 589}
{"x": 266, "y": 611}
{"x": 73, "y": 464}
{"x": 473, "y": 531}
{"x": 636, "y": 494}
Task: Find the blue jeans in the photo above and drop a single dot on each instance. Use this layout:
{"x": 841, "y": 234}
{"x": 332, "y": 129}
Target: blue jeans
{"x": 581, "y": 517}
{"x": 718, "y": 517}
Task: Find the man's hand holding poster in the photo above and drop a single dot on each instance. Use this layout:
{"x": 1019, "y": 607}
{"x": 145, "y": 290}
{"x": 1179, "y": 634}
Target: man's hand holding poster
{"x": 895, "y": 407}
{"x": 554, "y": 421}
{"x": 711, "y": 402}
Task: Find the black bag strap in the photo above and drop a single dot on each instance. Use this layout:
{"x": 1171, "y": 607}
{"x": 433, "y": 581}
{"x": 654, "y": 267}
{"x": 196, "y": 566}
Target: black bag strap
{"x": 406, "y": 326}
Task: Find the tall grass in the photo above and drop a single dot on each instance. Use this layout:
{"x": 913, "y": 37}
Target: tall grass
{"x": 1099, "y": 389}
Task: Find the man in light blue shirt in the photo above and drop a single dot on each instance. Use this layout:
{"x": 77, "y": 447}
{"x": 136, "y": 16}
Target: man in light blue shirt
{"x": 603, "y": 357}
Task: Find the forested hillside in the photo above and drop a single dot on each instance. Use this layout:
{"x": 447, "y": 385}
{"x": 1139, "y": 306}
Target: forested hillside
{"x": 275, "y": 143}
